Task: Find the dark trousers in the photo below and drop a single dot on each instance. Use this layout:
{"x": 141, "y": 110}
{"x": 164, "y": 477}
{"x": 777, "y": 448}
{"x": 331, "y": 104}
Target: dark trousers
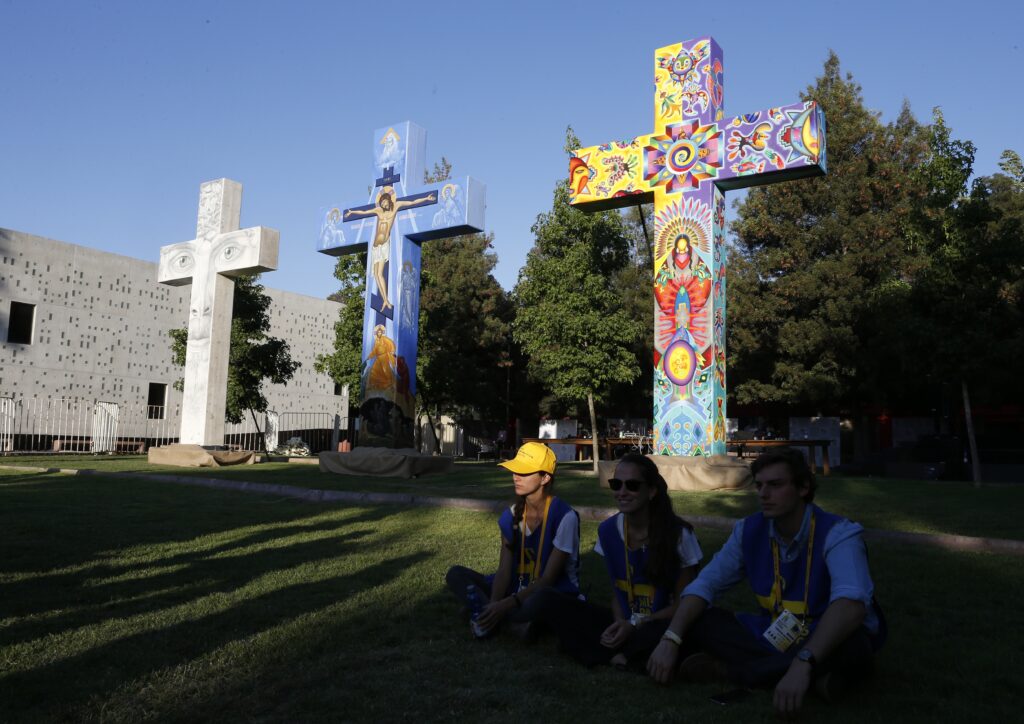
{"x": 753, "y": 664}
{"x": 579, "y": 626}
{"x": 460, "y": 578}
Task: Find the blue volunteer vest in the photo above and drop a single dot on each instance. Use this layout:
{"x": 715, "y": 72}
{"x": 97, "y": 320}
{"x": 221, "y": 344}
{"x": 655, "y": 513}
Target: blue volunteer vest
{"x": 647, "y": 598}
{"x": 558, "y": 510}
{"x": 757, "y": 561}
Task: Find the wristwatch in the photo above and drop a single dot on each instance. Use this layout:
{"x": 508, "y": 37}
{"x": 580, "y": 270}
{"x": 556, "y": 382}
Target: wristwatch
{"x": 806, "y": 656}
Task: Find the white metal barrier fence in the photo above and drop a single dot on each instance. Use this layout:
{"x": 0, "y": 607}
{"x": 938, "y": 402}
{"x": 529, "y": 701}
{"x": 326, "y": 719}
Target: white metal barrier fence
{"x": 70, "y": 424}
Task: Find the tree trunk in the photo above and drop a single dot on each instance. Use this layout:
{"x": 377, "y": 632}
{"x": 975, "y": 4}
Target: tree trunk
{"x": 972, "y": 442}
{"x": 433, "y": 432}
{"x": 259, "y": 435}
{"x": 593, "y": 430}
{"x": 647, "y": 238}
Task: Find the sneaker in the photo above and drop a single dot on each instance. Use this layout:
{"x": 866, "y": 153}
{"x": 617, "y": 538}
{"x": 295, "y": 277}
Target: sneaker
{"x": 702, "y": 668}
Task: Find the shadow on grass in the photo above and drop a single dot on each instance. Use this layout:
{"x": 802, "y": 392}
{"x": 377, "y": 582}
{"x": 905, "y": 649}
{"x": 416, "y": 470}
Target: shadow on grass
{"x": 99, "y": 671}
{"x": 176, "y": 578}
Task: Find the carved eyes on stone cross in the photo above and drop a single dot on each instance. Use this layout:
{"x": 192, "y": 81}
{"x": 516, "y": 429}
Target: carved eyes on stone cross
{"x": 183, "y": 261}
{"x": 230, "y": 252}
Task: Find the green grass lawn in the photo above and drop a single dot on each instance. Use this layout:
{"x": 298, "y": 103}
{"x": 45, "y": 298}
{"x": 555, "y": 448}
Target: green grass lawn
{"x": 125, "y": 599}
{"x": 908, "y": 505}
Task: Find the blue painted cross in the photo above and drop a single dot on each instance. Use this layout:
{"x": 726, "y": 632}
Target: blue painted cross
{"x": 391, "y": 227}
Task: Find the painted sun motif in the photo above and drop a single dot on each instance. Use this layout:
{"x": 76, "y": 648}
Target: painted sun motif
{"x": 580, "y": 174}
{"x": 802, "y": 134}
{"x": 683, "y": 156}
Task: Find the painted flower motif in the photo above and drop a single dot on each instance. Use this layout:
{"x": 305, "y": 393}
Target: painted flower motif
{"x": 619, "y": 167}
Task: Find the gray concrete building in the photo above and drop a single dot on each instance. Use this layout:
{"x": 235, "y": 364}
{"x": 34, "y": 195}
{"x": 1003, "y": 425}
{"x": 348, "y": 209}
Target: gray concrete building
{"x": 90, "y": 326}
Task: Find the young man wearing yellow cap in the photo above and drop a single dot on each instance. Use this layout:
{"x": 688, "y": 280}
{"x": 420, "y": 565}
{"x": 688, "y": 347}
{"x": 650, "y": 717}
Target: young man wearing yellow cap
{"x": 540, "y": 544}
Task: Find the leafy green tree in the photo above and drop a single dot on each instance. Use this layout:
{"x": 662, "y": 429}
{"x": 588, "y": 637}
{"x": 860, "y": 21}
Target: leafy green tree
{"x": 632, "y": 283}
{"x": 345, "y": 363}
{"x": 254, "y": 357}
{"x": 964, "y": 313}
{"x": 465, "y": 319}
{"x": 811, "y": 256}
{"x": 1012, "y": 166}
{"x": 569, "y": 321}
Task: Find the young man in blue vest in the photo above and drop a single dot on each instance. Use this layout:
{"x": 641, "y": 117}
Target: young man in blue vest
{"x": 818, "y": 622}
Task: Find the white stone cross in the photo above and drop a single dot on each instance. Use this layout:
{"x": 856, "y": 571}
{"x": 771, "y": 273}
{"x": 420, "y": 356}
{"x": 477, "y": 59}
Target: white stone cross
{"x": 219, "y": 251}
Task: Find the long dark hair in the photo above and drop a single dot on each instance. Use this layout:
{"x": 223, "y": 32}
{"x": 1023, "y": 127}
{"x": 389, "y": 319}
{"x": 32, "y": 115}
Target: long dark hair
{"x": 664, "y": 527}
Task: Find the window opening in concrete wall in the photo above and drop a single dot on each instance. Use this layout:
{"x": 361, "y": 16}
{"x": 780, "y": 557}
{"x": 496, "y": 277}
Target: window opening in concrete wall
{"x": 22, "y": 323}
{"x": 157, "y": 403}
{"x": 337, "y": 388}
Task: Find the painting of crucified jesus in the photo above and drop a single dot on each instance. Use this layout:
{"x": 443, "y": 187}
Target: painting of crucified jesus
{"x": 385, "y": 208}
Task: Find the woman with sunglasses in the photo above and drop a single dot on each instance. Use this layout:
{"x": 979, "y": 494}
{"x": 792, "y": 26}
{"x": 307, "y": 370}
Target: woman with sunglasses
{"x": 540, "y": 544}
{"x": 651, "y": 555}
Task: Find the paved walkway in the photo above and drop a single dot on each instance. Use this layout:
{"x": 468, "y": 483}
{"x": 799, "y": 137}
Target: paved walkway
{"x": 313, "y": 495}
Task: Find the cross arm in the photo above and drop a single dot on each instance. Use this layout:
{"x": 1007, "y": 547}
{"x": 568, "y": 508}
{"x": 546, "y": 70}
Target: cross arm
{"x": 246, "y": 251}
{"x": 777, "y": 144}
{"x": 609, "y": 176}
{"x": 457, "y": 208}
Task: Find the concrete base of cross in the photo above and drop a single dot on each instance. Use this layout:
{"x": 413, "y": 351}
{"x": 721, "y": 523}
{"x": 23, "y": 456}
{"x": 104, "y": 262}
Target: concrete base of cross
{"x": 197, "y": 456}
{"x": 681, "y": 472}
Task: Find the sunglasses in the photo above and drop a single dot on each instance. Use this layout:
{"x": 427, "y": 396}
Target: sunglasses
{"x": 631, "y": 485}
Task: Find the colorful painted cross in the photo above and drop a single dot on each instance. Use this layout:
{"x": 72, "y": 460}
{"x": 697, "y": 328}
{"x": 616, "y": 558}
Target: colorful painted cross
{"x": 693, "y": 156}
{"x": 399, "y": 217}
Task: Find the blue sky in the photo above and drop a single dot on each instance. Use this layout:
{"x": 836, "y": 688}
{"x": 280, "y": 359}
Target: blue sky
{"x": 113, "y": 113}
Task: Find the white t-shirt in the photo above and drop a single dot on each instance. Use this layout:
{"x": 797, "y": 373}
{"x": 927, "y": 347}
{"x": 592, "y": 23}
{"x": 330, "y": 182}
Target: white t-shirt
{"x": 688, "y": 547}
{"x": 567, "y": 540}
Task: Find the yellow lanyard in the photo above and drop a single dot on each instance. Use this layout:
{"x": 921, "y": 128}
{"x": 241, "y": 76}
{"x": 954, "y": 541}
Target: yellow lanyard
{"x": 629, "y": 577}
{"x": 540, "y": 545}
{"x": 775, "y": 600}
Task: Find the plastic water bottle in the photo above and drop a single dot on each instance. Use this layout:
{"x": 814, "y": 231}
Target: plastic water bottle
{"x": 476, "y": 607}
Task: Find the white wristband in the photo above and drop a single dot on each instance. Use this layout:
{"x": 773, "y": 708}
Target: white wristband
{"x": 672, "y": 636}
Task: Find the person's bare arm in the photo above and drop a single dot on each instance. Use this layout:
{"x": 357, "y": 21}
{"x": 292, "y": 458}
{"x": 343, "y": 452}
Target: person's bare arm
{"x": 619, "y": 631}
{"x": 500, "y": 604}
{"x": 406, "y": 203}
{"x": 360, "y": 212}
{"x": 662, "y": 661}
{"x": 842, "y": 617}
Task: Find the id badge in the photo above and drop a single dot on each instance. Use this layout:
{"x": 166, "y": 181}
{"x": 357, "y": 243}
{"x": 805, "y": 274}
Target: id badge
{"x": 785, "y": 631}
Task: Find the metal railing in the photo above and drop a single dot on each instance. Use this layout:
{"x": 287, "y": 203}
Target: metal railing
{"x": 71, "y": 424}
{"x": 77, "y": 425}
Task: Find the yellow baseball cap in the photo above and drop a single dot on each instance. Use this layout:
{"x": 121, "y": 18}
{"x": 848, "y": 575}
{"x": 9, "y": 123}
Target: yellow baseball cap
{"x": 532, "y": 457}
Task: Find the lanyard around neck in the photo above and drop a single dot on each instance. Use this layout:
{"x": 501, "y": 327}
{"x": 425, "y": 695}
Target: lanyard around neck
{"x": 776, "y": 596}
{"x": 540, "y": 544}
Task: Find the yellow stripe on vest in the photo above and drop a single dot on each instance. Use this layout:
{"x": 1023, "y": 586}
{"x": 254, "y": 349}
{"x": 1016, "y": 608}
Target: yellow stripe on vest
{"x": 797, "y": 608}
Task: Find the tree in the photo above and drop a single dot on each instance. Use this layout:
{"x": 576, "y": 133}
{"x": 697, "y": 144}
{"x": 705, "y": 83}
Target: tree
{"x": 254, "y": 357}
{"x": 465, "y": 319}
{"x": 569, "y": 321}
{"x": 964, "y": 311}
{"x": 464, "y": 328}
{"x": 345, "y": 363}
{"x": 632, "y": 284}
{"x": 812, "y": 255}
